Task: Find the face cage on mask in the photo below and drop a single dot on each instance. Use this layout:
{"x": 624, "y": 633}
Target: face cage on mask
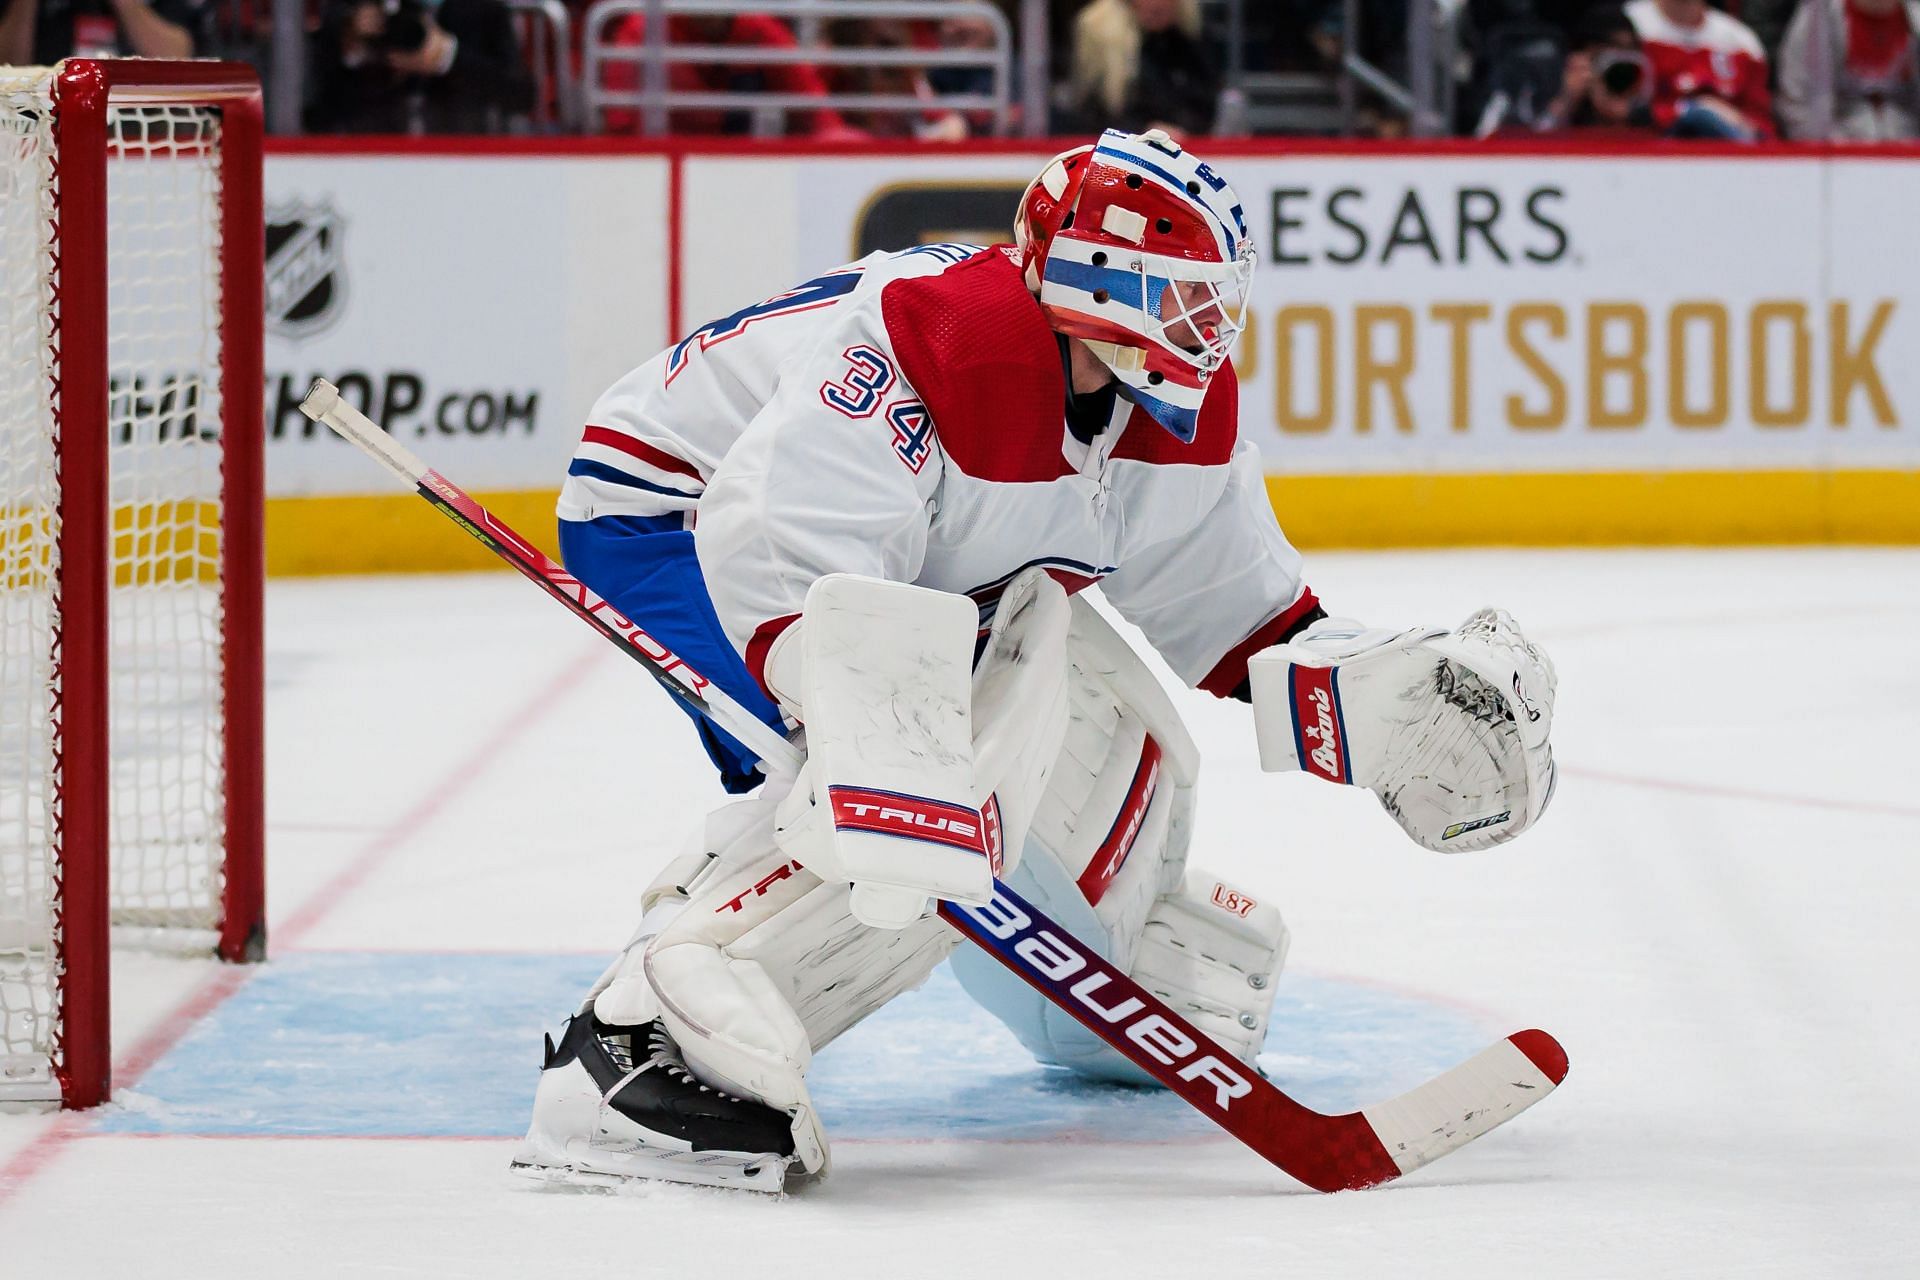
{"x": 1209, "y": 299}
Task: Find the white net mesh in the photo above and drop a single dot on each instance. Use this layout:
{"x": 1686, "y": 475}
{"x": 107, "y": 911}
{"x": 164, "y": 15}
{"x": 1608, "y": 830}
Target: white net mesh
{"x": 163, "y": 308}
{"x": 167, "y": 769}
{"x": 28, "y": 493}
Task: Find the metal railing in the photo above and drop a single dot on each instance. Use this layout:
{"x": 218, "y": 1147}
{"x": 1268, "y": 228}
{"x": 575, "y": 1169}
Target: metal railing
{"x": 1433, "y": 47}
{"x": 545, "y": 32}
{"x": 1427, "y": 98}
{"x": 1315, "y": 101}
{"x": 654, "y": 98}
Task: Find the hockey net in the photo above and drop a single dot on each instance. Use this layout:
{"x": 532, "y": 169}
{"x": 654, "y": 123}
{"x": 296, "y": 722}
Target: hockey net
{"x": 129, "y": 530}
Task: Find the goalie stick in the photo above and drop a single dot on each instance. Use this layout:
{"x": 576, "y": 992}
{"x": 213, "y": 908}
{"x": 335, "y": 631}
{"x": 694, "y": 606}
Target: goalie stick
{"x": 1326, "y": 1152}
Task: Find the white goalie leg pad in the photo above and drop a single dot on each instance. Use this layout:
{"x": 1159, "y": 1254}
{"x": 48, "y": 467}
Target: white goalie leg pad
{"x": 761, "y": 962}
{"x": 1449, "y": 729}
{"x": 1212, "y": 951}
{"x": 1106, "y": 857}
{"x": 887, "y": 797}
{"x": 1118, "y": 813}
{"x": 622, "y": 997}
{"x": 765, "y": 964}
{"x": 1020, "y": 704}
{"x": 587, "y": 1127}
{"x": 737, "y": 1034}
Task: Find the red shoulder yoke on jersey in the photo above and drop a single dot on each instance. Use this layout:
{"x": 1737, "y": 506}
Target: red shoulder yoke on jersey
{"x": 973, "y": 343}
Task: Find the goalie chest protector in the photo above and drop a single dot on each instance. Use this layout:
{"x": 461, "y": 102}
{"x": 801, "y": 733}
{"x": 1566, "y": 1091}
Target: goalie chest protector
{"x": 975, "y": 347}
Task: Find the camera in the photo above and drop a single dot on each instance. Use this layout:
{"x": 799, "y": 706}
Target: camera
{"x": 1621, "y": 71}
{"x": 406, "y": 29}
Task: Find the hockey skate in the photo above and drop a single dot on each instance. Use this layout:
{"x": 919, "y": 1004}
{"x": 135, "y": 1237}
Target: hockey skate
{"x": 617, "y": 1104}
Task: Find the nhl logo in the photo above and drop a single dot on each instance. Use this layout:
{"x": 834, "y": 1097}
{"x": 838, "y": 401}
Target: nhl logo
{"x": 306, "y": 279}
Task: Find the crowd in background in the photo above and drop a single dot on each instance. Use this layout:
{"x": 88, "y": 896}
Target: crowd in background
{"x": 1646, "y": 68}
{"x": 1683, "y": 69}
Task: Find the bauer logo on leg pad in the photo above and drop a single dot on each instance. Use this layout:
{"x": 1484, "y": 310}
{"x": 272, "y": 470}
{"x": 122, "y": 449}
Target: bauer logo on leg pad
{"x": 1319, "y": 730}
{"x": 893, "y": 813}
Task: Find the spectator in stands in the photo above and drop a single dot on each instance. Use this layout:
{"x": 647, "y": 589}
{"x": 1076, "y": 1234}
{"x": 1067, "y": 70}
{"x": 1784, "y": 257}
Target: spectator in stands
{"x": 963, "y": 33}
{"x": 1606, "y": 82}
{"x": 928, "y": 84}
{"x": 1876, "y": 76}
{"x": 404, "y": 66}
{"x": 745, "y": 30}
{"x": 1709, "y": 71}
{"x": 1139, "y": 64}
{"x": 41, "y": 32}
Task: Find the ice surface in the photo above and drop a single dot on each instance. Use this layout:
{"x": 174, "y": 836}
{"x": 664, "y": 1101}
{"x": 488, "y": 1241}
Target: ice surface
{"x": 467, "y": 792}
{"x": 442, "y": 1044}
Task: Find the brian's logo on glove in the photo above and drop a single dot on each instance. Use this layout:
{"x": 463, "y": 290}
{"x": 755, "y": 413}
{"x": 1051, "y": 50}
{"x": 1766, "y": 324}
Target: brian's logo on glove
{"x": 1319, "y": 738}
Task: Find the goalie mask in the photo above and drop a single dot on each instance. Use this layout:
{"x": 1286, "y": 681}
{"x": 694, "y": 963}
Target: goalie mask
{"x": 1141, "y": 252}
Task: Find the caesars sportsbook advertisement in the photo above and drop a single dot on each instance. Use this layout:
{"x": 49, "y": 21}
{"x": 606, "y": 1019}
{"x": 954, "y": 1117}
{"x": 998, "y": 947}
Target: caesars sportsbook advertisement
{"x": 1451, "y": 338}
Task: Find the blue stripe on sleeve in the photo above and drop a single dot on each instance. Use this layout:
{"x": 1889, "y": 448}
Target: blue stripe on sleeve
{"x": 613, "y": 475}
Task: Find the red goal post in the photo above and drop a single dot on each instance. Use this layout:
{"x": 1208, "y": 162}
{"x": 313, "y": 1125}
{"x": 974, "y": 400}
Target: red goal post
{"x": 131, "y": 558}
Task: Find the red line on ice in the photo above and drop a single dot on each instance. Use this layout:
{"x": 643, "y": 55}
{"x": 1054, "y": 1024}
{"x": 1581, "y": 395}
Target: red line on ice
{"x": 462, "y": 777}
{"x": 203, "y": 1000}
{"x": 1744, "y": 793}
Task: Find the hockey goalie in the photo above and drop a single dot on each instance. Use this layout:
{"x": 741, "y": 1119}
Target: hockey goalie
{"x": 864, "y": 508}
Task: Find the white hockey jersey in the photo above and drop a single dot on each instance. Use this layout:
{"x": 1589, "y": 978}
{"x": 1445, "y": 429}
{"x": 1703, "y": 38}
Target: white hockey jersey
{"x": 904, "y": 417}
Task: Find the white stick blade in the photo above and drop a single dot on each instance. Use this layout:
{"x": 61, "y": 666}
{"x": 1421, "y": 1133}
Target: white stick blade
{"x": 1480, "y": 1094}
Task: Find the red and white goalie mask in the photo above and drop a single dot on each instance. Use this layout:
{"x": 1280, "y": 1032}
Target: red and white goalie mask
{"x": 1141, "y": 252}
